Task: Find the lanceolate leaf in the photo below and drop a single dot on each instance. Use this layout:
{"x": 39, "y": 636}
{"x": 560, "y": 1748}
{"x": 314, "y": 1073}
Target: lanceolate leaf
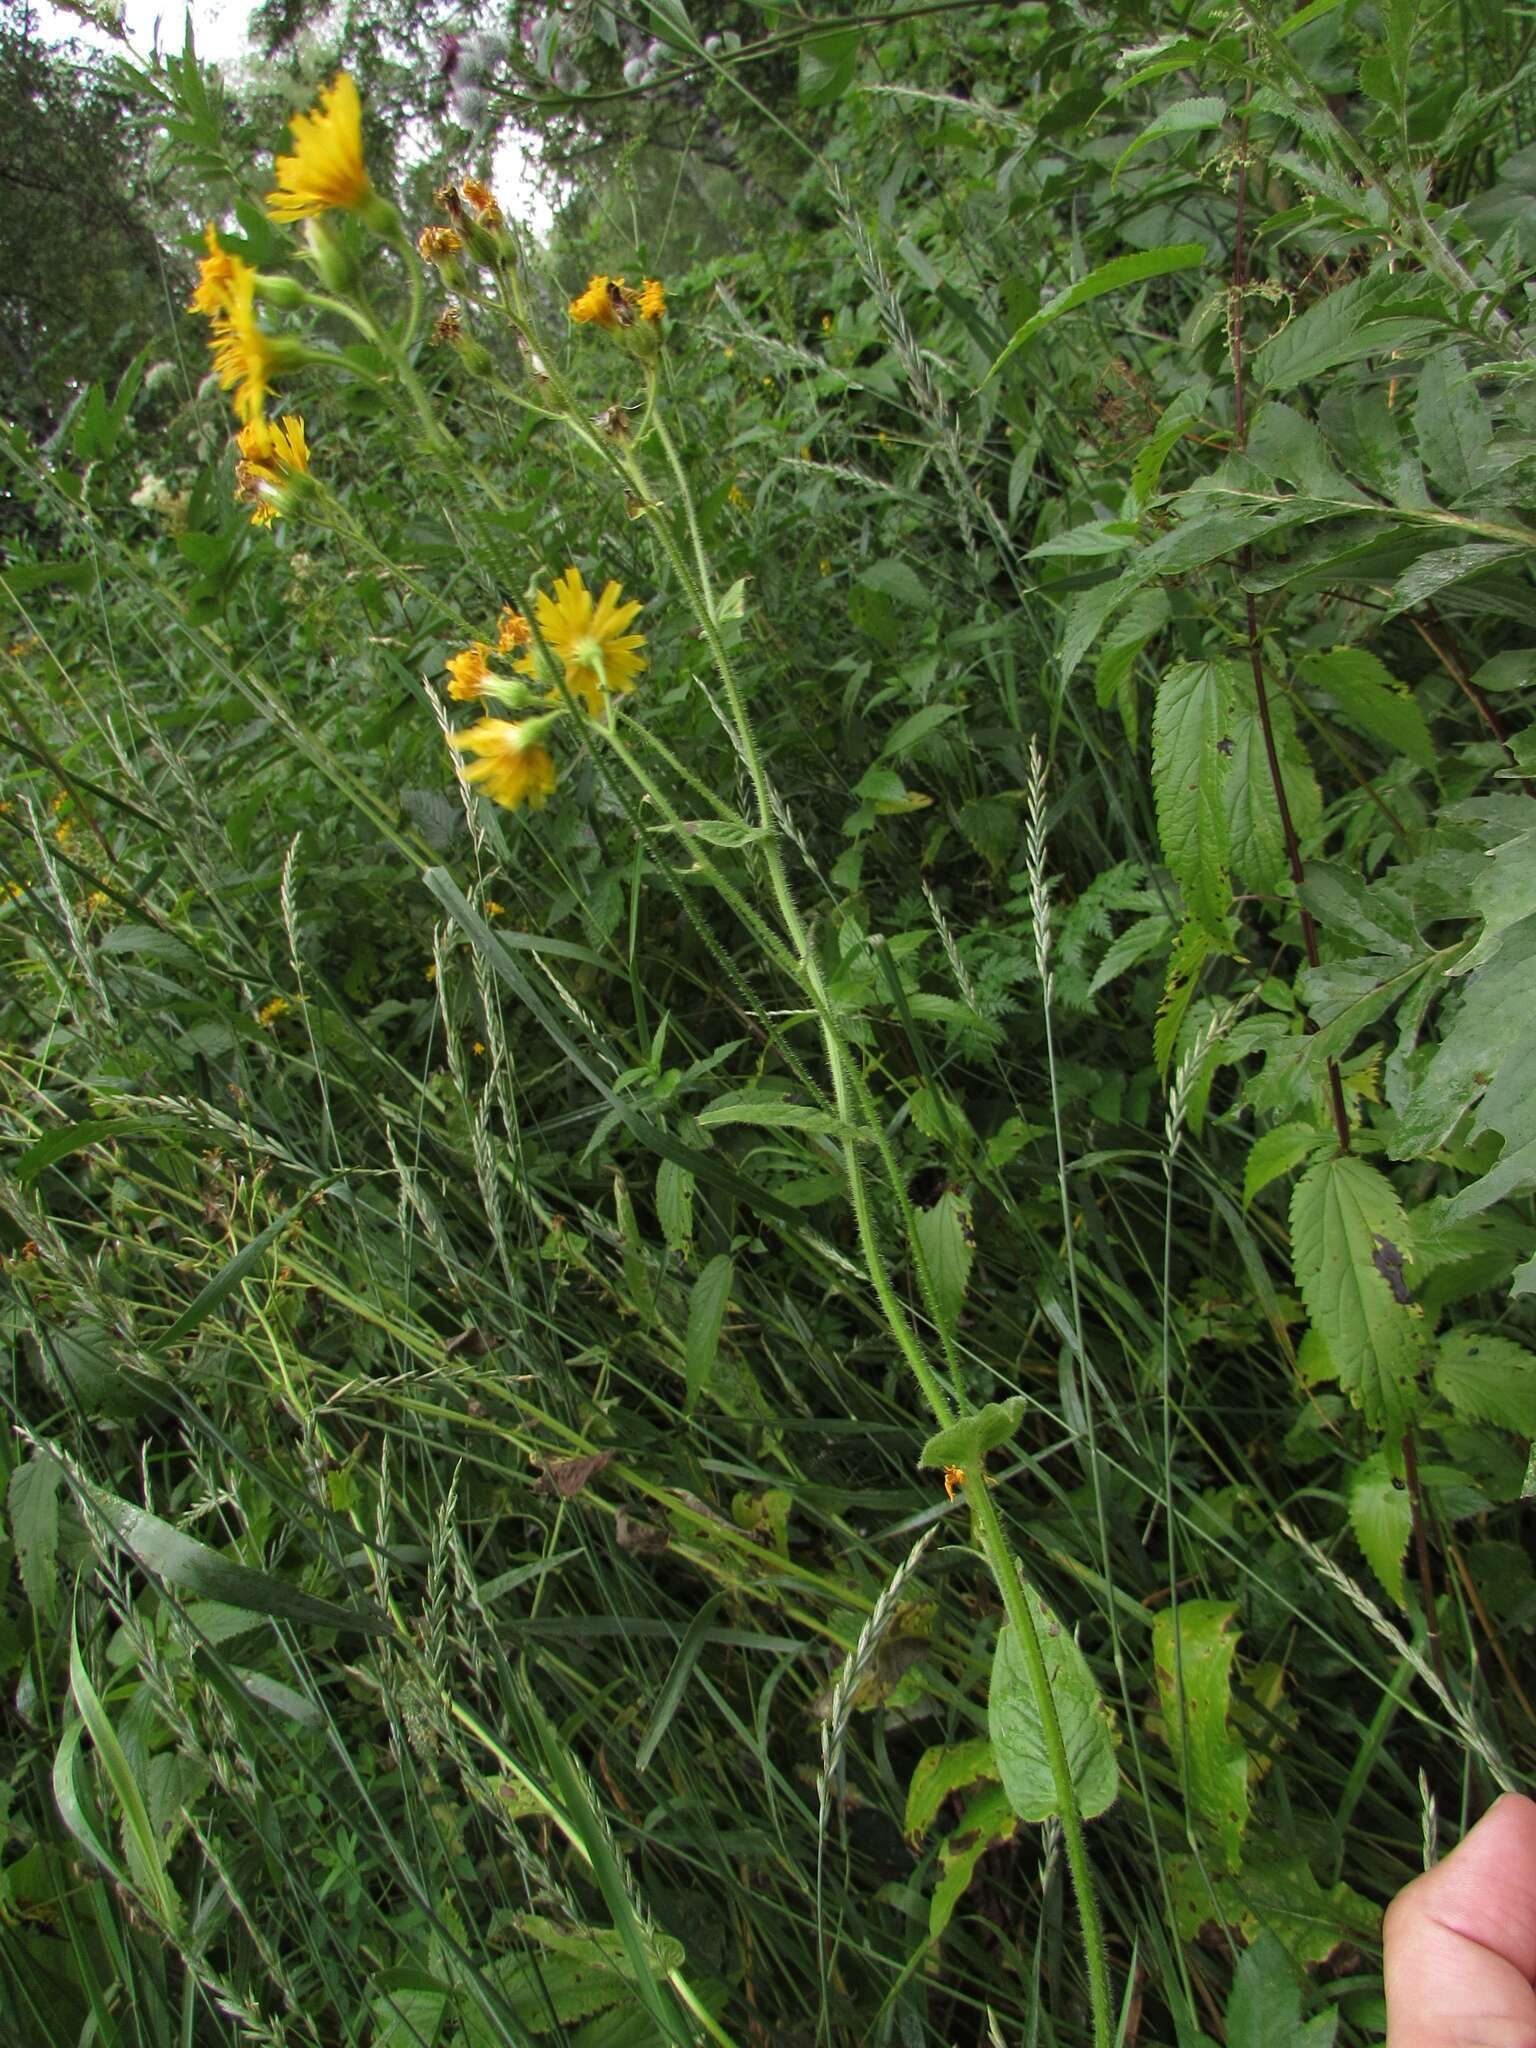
{"x": 1109, "y": 277}
{"x": 948, "y": 1243}
{"x": 1194, "y": 1646}
{"x": 1348, "y": 1234}
{"x": 706, "y": 1313}
{"x": 1013, "y": 1719}
{"x": 1191, "y": 742}
{"x": 1381, "y": 1515}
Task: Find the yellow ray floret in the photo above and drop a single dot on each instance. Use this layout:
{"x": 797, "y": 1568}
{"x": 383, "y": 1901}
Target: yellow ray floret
{"x": 512, "y": 631}
{"x": 215, "y": 277}
{"x": 469, "y": 673}
{"x": 273, "y": 453}
{"x": 509, "y": 767}
{"x": 326, "y": 167}
{"x": 606, "y": 302}
{"x": 243, "y": 353}
{"x": 652, "y": 302}
{"x": 601, "y": 659}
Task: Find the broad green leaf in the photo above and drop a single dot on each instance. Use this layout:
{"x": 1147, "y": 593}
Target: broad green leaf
{"x": 1276, "y": 1891}
{"x": 1503, "y": 895}
{"x": 827, "y": 66}
{"x": 987, "y": 1820}
{"x": 32, "y": 1502}
{"x": 1488, "y": 1379}
{"x": 1453, "y": 424}
{"x": 1109, "y": 277}
{"x": 406, "y": 2018}
{"x": 674, "y": 1204}
{"x": 706, "y": 1313}
{"x": 1492, "y": 1022}
{"x": 768, "y": 1112}
{"x": 1184, "y": 117}
{"x": 948, "y": 1243}
{"x": 944, "y": 1769}
{"x": 1190, "y": 738}
{"x": 1367, "y": 316}
{"x": 1255, "y": 838}
{"x": 1264, "y": 2007}
{"x": 1147, "y": 468}
{"x": 1435, "y": 572}
{"x": 1348, "y": 1234}
{"x": 193, "y": 1567}
{"x": 1275, "y": 1153}
{"x": 1381, "y": 1515}
{"x": 1192, "y": 947}
{"x": 1013, "y": 1721}
{"x": 914, "y": 729}
{"x": 76, "y": 1137}
{"x": 966, "y": 1442}
{"x": 1371, "y": 700}
{"x": 1193, "y": 1648}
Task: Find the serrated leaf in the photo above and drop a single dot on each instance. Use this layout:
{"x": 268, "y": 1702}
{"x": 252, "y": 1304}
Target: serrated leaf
{"x": 1275, "y": 1153}
{"x": 32, "y": 1503}
{"x": 1191, "y": 949}
{"x": 674, "y": 1204}
{"x": 1013, "y": 1721}
{"x": 1371, "y": 700}
{"x": 1256, "y": 847}
{"x": 1190, "y": 735}
{"x": 1264, "y": 2008}
{"x": 1347, "y": 1227}
{"x": 1381, "y": 1515}
{"x": 1488, "y": 1379}
{"x": 767, "y": 1112}
{"x": 1193, "y": 1649}
{"x": 948, "y": 1243}
{"x": 1277, "y": 1892}
{"x": 942, "y": 1770}
{"x": 1452, "y": 423}
{"x": 966, "y": 1442}
{"x": 706, "y": 1313}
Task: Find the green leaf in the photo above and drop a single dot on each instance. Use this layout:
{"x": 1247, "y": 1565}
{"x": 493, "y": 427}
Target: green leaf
{"x": 946, "y": 1768}
{"x": 1277, "y": 1892}
{"x": 1255, "y": 837}
{"x": 1264, "y": 2008}
{"x": 768, "y": 1112}
{"x": 827, "y": 66}
{"x": 1109, "y": 277}
{"x": 1192, "y": 947}
{"x": 193, "y": 1567}
{"x": 1184, "y": 117}
{"x": 987, "y": 1820}
{"x": 1371, "y": 700}
{"x": 227, "y": 1279}
{"x": 32, "y": 1502}
{"x": 674, "y": 1204}
{"x": 141, "y": 1845}
{"x": 1013, "y": 1721}
{"x": 1275, "y": 1153}
{"x": 1193, "y": 1649}
{"x": 1436, "y": 571}
{"x": 948, "y": 1244}
{"x": 1347, "y": 1230}
{"x": 1452, "y": 423}
{"x": 76, "y": 1137}
{"x": 966, "y": 1442}
{"x": 1381, "y": 1515}
{"x": 1190, "y": 732}
{"x": 913, "y": 730}
{"x": 1488, "y": 1379}
{"x": 706, "y": 1313}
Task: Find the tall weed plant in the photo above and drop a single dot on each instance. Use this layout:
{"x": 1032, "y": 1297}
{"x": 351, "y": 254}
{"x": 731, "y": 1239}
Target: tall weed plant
{"x": 768, "y": 1138}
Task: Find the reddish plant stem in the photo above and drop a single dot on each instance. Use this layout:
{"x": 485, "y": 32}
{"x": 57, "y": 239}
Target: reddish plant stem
{"x": 1440, "y": 647}
{"x": 1255, "y": 655}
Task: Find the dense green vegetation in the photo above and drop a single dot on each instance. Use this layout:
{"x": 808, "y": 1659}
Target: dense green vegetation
{"x": 862, "y": 1374}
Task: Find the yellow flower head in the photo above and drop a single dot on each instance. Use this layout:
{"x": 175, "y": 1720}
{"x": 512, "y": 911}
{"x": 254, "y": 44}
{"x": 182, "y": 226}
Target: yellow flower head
{"x": 509, "y": 766}
{"x": 512, "y": 631}
{"x": 469, "y": 673}
{"x": 243, "y": 353}
{"x": 601, "y": 659}
{"x": 954, "y": 1479}
{"x": 269, "y": 1013}
{"x": 606, "y": 302}
{"x": 483, "y": 200}
{"x": 326, "y": 168}
{"x": 215, "y": 277}
{"x": 435, "y": 245}
{"x": 273, "y": 453}
{"x": 652, "y": 303}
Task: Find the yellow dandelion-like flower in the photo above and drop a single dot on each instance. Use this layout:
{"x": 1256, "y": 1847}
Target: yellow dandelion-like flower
{"x": 513, "y": 632}
{"x": 606, "y": 302}
{"x": 269, "y": 1013}
{"x": 326, "y": 168}
{"x": 509, "y": 765}
{"x": 243, "y": 353}
{"x": 435, "y": 245}
{"x": 737, "y": 495}
{"x": 493, "y": 908}
{"x": 601, "y": 658}
{"x": 652, "y": 303}
{"x": 431, "y": 973}
{"x": 469, "y": 673}
{"x": 478, "y": 1048}
{"x": 215, "y": 276}
{"x": 826, "y": 323}
{"x": 954, "y": 1479}
{"x": 273, "y": 454}
{"x": 483, "y": 200}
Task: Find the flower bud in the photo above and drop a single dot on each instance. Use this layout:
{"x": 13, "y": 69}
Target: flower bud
{"x": 333, "y": 261}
